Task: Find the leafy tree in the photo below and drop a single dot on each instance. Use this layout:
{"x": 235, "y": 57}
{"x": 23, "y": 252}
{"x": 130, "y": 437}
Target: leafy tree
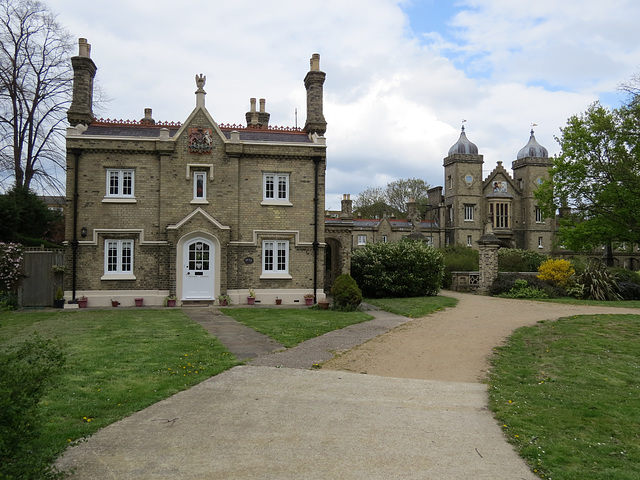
{"x": 392, "y": 199}
{"x": 24, "y": 217}
{"x": 35, "y": 88}
{"x": 595, "y": 181}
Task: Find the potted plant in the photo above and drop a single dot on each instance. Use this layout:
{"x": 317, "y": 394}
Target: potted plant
{"x": 308, "y": 299}
{"x": 323, "y": 304}
{"x": 114, "y": 303}
{"x": 170, "y": 301}
{"x": 224, "y": 300}
{"x": 59, "y": 300}
{"x": 82, "y": 302}
{"x": 138, "y": 301}
{"x": 251, "y": 299}
{"x": 278, "y": 301}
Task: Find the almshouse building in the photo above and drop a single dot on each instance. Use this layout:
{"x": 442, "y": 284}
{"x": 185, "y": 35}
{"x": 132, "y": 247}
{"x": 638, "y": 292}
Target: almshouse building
{"x": 194, "y": 209}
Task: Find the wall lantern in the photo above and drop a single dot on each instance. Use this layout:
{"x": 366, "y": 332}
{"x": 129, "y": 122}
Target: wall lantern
{"x": 83, "y": 232}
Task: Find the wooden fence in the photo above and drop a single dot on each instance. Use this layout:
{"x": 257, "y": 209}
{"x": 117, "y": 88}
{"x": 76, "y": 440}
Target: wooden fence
{"x": 42, "y": 275}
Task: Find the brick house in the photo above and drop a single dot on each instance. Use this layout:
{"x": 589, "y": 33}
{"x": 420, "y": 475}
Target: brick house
{"x": 194, "y": 209}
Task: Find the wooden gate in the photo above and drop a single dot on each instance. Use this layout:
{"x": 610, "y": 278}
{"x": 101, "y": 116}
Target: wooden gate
{"x": 43, "y": 274}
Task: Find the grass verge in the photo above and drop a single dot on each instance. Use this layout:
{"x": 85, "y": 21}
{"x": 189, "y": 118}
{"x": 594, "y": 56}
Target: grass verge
{"x": 118, "y": 362}
{"x": 293, "y": 326}
{"x": 414, "y": 307}
{"x": 567, "y": 394}
{"x": 596, "y": 303}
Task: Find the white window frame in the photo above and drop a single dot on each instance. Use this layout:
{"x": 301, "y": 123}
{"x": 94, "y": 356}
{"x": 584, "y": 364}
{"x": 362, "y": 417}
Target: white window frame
{"x": 540, "y": 242}
{"x": 203, "y": 175}
{"x": 121, "y": 269}
{"x": 275, "y": 258}
{"x": 120, "y": 178}
{"x": 272, "y": 194}
{"x": 468, "y": 213}
{"x": 385, "y": 238}
{"x": 469, "y": 241}
{"x": 362, "y": 239}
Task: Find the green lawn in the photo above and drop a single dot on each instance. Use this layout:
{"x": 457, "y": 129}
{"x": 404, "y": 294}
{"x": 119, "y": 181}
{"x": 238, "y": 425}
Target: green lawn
{"x": 567, "y": 394}
{"x": 415, "y": 307}
{"x": 118, "y": 362}
{"x": 293, "y": 326}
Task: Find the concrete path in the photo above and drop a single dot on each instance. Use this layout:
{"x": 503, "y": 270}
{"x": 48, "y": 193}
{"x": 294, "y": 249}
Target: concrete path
{"x": 265, "y": 422}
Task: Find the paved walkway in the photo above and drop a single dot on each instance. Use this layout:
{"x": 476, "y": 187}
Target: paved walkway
{"x": 262, "y": 422}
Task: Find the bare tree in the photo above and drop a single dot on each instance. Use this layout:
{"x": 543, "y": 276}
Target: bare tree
{"x": 35, "y": 90}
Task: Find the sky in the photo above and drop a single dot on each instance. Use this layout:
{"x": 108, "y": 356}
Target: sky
{"x": 402, "y": 75}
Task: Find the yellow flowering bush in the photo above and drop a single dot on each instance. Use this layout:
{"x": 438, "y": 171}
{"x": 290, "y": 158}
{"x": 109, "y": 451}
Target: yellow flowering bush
{"x": 557, "y": 272}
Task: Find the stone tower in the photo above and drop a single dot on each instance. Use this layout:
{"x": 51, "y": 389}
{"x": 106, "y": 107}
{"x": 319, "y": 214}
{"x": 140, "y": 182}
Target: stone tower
{"x": 530, "y": 169}
{"x": 84, "y": 70}
{"x": 464, "y": 215}
{"x": 313, "y": 82}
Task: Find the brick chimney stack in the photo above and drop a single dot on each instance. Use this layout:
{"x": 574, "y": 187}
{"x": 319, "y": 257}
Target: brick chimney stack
{"x": 313, "y": 82}
{"x": 84, "y": 71}
{"x": 148, "y": 119}
{"x": 347, "y": 207}
{"x": 257, "y": 119}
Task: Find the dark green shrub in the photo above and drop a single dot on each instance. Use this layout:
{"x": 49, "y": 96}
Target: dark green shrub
{"x": 629, "y": 291}
{"x": 624, "y": 275}
{"x": 506, "y": 281}
{"x": 521, "y": 289}
{"x": 458, "y": 258}
{"x": 26, "y": 373}
{"x": 346, "y": 293}
{"x": 403, "y": 269}
{"x": 517, "y": 260}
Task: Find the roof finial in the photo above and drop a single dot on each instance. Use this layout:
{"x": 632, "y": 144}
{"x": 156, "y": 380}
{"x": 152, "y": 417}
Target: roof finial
{"x": 463, "y": 121}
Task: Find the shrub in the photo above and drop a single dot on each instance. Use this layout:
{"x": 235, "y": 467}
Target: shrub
{"x": 506, "y": 281}
{"x": 403, "y": 269}
{"x": 25, "y": 375}
{"x": 624, "y": 275}
{"x": 517, "y": 260}
{"x": 10, "y": 261}
{"x": 521, "y": 289}
{"x": 346, "y": 293}
{"x": 556, "y": 272}
{"x": 598, "y": 283}
{"x": 458, "y": 258}
{"x": 629, "y": 291}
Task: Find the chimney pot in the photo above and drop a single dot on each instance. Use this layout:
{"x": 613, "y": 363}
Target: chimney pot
{"x": 84, "y": 49}
{"x": 315, "y": 62}
{"x": 263, "y": 103}
{"x": 253, "y": 104}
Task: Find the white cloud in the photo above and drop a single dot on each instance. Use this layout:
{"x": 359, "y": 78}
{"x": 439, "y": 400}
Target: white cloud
{"x": 394, "y": 99}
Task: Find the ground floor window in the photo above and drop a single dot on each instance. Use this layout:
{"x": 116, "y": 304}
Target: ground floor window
{"x": 501, "y": 214}
{"x": 275, "y": 256}
{"x": 118, "y": 257}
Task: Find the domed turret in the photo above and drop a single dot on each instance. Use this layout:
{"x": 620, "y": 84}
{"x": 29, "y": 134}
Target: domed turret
{"x": 463, "y": 145}
{"x": 533, "y": 149}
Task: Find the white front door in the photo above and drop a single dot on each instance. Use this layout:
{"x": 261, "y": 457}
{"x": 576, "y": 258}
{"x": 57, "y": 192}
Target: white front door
{"x": 198, "y": 278}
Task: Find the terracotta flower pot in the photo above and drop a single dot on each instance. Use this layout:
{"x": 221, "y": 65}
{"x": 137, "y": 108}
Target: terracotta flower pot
{"x": 251, "y": 300}
{"x": 278, "y": 301}
{"x": 115, "y": 303}
{"x": 323, "y": 304}
{"x": 308, "y": 301}
{"x": 138, "y": 301}
{"x": 82, "y": 303}
{"x": 171, "y": 302}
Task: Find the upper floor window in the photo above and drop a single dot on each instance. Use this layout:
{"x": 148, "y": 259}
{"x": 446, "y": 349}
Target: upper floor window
{"x": 118, "y": 257}
{"x": 468, "y": 213}
{"x": 469, "y": 240}
{"x": 199, "y": 185}
{"x": 501, "y": 215}
{"x": 120, "y": 183}
{"x": 539, "y": 218}
{"x": 276, "y": 187}
{"x": 275, "y": 256}
{"x": 362, "y": 239}
{"x": 385, "y": 239}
